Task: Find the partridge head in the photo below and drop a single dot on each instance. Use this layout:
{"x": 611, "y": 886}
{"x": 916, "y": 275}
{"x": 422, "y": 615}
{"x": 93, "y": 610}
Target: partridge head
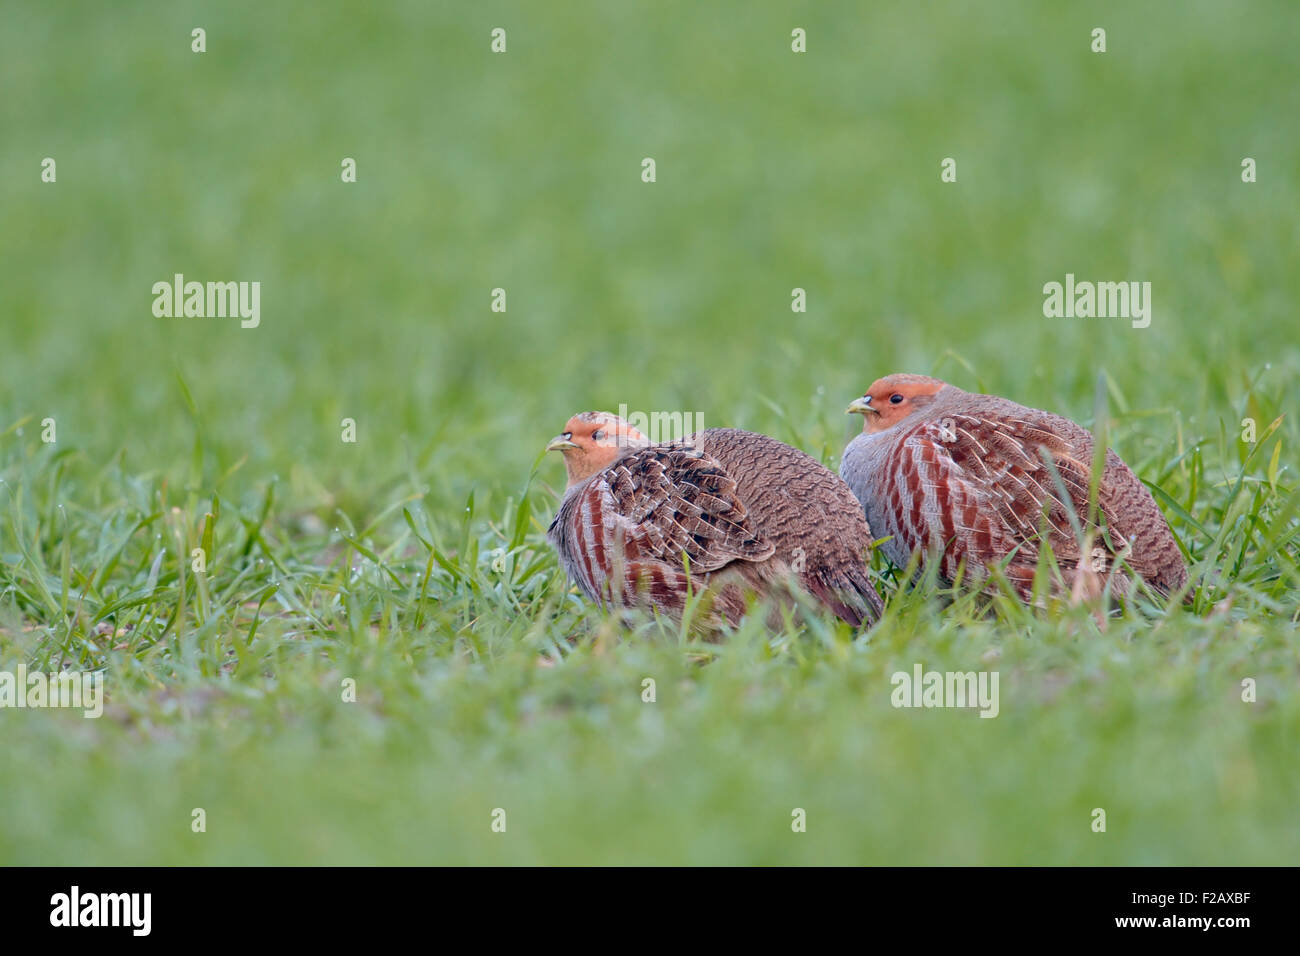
{"x": 592, "y": 441}
{"x": 893, "y": 398}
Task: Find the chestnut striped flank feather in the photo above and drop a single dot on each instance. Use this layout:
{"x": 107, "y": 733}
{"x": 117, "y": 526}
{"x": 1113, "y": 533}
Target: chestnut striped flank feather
{"x": 726, "y": 511}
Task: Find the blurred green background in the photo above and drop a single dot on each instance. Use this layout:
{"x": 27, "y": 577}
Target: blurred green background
{"x": 522, "y": 171}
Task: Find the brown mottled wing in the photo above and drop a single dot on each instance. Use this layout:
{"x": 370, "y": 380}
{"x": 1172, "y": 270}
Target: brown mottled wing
{"x": 1132, "y": 514}
{"x": 678, "y": 503}
{"x": 630, "y": 530}
{"x": 808, "y": 513}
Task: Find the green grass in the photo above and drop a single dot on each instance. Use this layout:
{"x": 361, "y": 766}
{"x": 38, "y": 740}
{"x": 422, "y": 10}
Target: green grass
{"x": 414, "y": 561}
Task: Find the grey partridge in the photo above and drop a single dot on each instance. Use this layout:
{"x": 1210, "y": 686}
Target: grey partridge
{"x": 964, "y": 479}
{"x": 729, "y": 512}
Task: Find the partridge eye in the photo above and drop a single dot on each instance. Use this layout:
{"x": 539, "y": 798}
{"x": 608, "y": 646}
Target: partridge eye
{"x": 598, "y": 435}
{"x": 895, "y": 399}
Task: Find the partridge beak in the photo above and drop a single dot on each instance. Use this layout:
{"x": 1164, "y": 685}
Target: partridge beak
{"x": 560, "y": 443}
{"x": 860, "y": 406}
